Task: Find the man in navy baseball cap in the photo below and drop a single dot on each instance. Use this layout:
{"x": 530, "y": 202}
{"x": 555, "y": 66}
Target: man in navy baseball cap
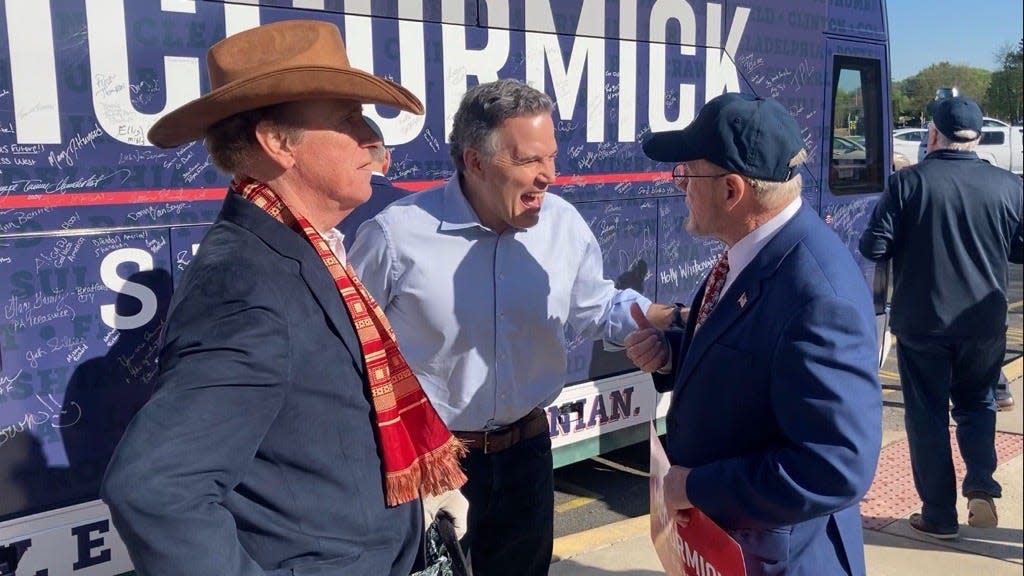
{"x": 742, "y": 133}
{"x": 780, "y": 345}
{"x": 958, "y": 118}
{"x": 950, "y": 225}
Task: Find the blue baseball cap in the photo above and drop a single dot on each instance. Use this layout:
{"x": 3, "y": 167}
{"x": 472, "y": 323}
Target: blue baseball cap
{"x": 743, "y": 133}
{"x": 373, "y": 126}
{"x": 954, "y": 114}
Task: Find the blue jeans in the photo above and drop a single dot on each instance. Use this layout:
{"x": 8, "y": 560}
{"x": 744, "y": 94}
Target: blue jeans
{"x": 511, "y": 509}
{"x": 934, "y": 371}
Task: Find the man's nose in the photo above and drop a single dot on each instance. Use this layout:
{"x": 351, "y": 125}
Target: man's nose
{"x": 547, "y": 174}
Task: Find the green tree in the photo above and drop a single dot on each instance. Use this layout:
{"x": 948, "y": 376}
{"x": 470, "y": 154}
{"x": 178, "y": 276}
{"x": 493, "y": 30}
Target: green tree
{"x": 971, "y": 82}
{"x": 901, "y": 113}
{"x": 911, "y": 96}
{"x": 1005, "y": 95}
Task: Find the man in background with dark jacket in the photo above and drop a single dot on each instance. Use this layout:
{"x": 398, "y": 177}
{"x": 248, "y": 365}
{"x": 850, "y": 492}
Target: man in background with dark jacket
{"x": 384, "y": 192}
{"x": 950, "y": 224}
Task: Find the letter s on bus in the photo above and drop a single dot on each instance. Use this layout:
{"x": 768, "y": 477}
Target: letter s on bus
{"x": 108, "y": 274}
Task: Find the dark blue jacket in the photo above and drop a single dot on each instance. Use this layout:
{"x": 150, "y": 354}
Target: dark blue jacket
{"x": 776, "y": 405}
{"x": 384, "y": 193}
{"x": 950, "y": 224}
{"x": 256, "y": 453}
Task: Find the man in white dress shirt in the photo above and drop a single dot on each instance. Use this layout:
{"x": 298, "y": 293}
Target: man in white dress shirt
{"x": 479, "y": 279}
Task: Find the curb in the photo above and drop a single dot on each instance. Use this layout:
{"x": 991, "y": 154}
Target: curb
{"x": 571, "y": 545}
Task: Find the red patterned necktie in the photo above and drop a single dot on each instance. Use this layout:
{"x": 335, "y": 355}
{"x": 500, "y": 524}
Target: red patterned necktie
{"x": 716, "y": 280}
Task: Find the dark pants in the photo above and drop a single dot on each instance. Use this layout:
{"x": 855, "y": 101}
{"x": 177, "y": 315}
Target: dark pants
{"x": 933, "y": 372}
{"x": 511, "y": 509}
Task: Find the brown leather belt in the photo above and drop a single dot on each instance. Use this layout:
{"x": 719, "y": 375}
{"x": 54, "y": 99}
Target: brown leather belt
{"x": 491, "y": 441}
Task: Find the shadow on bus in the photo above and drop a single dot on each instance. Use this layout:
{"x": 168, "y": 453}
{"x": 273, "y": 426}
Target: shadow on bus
{"x": 101, "y": 397}
{"x": 108, "y": 390}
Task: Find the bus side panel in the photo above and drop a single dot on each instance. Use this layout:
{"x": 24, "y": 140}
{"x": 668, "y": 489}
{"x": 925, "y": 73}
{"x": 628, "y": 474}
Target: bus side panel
{"x": 426, "y": 10}
{"x": 627, "y": 231}
{"x": 82, "y": 317}
{"x": 782, "y": 56}
{"x": 96, "y": 225}
{"x": 79, "y": 94}
{"x": 184, "y": 245}
{"x": 860, "y": 18}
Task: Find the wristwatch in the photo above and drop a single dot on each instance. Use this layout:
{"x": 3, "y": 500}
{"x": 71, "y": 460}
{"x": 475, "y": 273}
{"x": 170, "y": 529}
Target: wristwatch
{"x": 677, "y": 316}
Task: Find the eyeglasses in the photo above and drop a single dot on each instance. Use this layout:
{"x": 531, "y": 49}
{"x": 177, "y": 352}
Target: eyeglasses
{"x": 680, "y": 177}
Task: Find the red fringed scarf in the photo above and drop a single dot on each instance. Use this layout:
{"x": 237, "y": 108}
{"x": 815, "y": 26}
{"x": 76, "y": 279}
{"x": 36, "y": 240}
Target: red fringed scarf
{"x": 421, "y": 457}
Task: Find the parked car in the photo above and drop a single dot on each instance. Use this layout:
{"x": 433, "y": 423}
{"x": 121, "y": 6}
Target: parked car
{"x": 905, "y": 142}
{"x": 849, "y": 156}
{"x": 1000, "y": 145}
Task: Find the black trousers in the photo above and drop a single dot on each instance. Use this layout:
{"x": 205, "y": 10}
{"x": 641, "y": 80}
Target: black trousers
{"x": 511, "y": 509}
{"x": 933, "y": 372}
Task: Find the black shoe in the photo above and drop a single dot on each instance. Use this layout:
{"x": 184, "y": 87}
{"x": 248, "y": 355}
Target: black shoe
{"x": 922, "y": 526}
{"x": 1004, "y": 400}
{"x": 981, "y": 511}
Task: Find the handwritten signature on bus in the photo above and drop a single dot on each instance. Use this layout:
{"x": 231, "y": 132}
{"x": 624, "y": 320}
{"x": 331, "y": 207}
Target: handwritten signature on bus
{"x": 52, "y": 414}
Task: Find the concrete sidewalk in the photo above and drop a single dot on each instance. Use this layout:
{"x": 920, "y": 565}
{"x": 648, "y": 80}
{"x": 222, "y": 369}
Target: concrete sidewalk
{"x": 891, "y": 547}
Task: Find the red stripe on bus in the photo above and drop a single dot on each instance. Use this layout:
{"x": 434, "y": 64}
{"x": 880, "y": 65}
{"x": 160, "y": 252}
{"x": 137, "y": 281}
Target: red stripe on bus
{"x": 84, "y": 198}
{"x": 87, "y": 198}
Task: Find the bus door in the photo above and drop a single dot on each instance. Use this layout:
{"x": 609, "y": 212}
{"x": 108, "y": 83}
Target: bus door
{"x": 857, "y": 155}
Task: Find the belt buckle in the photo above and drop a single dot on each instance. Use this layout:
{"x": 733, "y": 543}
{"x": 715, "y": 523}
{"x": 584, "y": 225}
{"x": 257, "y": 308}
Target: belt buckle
{"x": 487, "y": 441}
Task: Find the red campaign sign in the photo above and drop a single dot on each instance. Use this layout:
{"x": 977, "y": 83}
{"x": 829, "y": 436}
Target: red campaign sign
{"x": 701, "y": 548}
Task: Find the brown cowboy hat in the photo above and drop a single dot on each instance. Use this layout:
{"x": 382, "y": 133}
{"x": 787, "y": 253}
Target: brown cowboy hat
{"x": 272, "y": 64}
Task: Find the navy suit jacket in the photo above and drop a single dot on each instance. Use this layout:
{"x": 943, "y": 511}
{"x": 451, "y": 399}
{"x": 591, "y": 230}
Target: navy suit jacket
{"x": 776, "y": 405}
{"x": 256, "y": 454}
{"x": 384, "y": 193}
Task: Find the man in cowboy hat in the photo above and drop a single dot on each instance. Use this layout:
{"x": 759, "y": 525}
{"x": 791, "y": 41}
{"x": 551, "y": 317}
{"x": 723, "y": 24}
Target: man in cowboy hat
{"x": 384, "y": 192}
{"x": 286, "y": 435}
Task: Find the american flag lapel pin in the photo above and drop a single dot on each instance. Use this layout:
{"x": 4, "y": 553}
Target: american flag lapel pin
{"x": 743, "y": 300}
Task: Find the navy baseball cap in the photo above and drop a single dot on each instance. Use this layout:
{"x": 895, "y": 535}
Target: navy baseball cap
{"x": 954, "y": 114}
{"x": 745, "y": 134}
{"x": 373, "y": 126}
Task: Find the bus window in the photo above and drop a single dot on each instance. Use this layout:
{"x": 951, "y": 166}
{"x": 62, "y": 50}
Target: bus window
{"x": 856, "y": 164}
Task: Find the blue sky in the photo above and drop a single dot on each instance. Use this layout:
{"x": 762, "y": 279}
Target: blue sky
{"x": 924, "y": 33}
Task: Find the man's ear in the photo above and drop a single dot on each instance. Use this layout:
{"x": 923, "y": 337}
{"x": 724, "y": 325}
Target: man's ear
{"x": 473, "y": 160}
{"x": 275, "y": 143}
{"x": 386, "y": 164}
{"x": 933, "y": 138}
{"x": 735, "y": 190}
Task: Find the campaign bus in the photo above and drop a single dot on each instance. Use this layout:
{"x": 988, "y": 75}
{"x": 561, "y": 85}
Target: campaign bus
{"x": 97, "y": 226}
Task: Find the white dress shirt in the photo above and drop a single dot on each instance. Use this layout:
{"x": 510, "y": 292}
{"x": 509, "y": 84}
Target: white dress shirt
{"x": 481, "y": 316}
{"x": 743, "y": 252}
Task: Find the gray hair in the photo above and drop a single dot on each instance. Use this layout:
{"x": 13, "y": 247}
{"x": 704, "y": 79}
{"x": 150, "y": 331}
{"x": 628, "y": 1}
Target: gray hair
{"x": 483, "y": 108}
{"x": 378, "y": 153}
{"x": 774, "y": 194}
{"x": 969, "y": 140}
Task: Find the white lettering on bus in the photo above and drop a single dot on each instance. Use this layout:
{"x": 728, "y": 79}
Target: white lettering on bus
{"x": 110, "y": 278}
{"x": 37, "y": 116}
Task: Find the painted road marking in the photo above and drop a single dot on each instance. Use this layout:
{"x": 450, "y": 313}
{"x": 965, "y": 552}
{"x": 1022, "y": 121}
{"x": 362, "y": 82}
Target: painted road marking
{"x": 585, "y": 497}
